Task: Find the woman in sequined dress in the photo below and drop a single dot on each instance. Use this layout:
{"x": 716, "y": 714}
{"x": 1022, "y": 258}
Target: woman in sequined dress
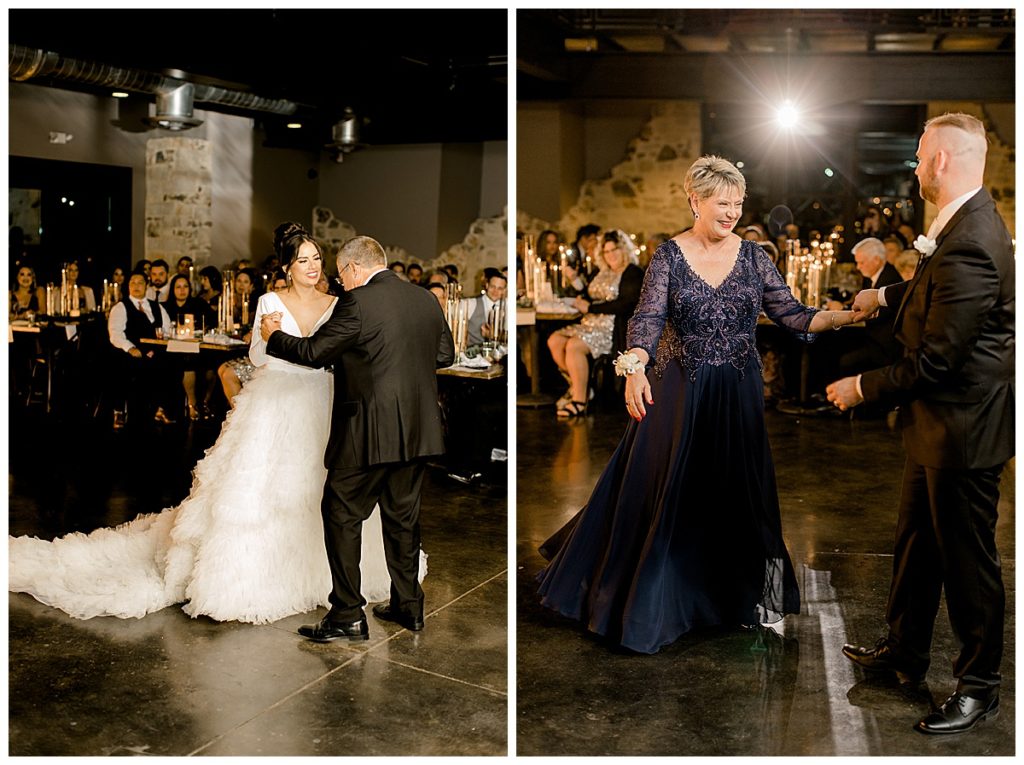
{"x": 682, "y": 529}
{"x": 606, "y": 304}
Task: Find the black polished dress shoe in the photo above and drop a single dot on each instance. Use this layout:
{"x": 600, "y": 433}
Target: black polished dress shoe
{"x": 881, "y": 658}
{"x": 959, "y": 713}
{"x": 387, "y": 613}
{"x": 327, "y": 631}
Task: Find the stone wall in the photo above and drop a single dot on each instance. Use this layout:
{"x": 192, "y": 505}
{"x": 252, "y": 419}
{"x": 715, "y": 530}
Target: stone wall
{"x": 644, "y": 193}
{"x": 485, "y": 244}
{"x": 1000, "y": 164}
{"x": 179, "y": 219}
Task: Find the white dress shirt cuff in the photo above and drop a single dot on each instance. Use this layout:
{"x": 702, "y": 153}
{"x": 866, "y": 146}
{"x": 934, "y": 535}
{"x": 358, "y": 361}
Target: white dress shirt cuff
{"x": 881, "y": 302}
{"x": 856, "y": 383}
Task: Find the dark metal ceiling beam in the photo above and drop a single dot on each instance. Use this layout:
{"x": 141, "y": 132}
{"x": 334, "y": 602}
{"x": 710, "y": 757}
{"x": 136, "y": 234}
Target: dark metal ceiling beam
{"x": 834, "y": 78}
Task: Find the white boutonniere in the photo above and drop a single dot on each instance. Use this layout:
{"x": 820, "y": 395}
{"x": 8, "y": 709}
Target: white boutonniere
{"x": 924, "y": 245}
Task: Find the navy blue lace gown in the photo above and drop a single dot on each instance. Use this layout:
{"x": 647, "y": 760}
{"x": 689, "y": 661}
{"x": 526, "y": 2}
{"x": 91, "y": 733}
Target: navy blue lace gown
{"x": 682, "y": 529}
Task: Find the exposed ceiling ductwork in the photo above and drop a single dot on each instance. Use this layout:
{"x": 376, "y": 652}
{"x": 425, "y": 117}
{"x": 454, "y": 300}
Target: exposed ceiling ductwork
{"x": 174, "y": 95}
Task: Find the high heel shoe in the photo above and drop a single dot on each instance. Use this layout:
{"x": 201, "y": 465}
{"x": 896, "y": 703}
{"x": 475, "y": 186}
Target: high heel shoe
{"x": 162, "y": 418}
{"x": 572, "y": 409}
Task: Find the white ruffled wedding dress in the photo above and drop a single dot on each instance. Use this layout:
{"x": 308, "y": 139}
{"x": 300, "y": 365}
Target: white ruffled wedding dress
{"x": 247, "y": 544}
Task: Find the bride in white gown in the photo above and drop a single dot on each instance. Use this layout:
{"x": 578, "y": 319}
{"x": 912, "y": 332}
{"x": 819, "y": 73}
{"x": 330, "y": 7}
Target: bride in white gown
{"x": 247, "y": 544}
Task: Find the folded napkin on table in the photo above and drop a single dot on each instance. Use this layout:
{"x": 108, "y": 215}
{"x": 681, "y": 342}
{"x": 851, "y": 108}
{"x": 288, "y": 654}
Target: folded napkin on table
{"x": 477, "y": 362}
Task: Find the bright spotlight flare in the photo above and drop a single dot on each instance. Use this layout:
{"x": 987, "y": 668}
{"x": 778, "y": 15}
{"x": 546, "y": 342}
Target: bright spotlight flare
{"x": 787, "y": 115}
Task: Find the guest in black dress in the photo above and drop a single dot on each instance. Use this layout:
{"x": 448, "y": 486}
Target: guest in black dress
{"x": 682, "y": 529}
{"x": 212, "y": 284}
{"x": 26, "y": 295}
{"x": 182, "y": 302}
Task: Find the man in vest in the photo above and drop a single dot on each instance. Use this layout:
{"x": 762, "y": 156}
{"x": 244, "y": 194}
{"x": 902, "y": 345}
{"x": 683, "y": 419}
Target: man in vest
{"x": 134, "y": 318}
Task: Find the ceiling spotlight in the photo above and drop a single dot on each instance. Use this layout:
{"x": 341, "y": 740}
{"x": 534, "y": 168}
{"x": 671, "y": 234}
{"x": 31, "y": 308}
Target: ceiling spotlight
{"x": 787, "y": 115}
{"x": 829, "y": 172}
{"x": 174, "y": 108}
{"x": 740, "y": 165}
{"x": 294, "y": 125}
{"x": 345, "y": 135}
{"x": 119, "y": 94}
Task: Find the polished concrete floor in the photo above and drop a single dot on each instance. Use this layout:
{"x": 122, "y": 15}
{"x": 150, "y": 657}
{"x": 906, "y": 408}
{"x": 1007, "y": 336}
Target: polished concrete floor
{"x": 785, "y": 692}
{"x": 171, "y": 685}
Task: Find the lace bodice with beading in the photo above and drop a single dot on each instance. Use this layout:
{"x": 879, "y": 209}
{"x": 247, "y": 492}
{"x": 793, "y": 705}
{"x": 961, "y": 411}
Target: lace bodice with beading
{"x": 681, "y": 316}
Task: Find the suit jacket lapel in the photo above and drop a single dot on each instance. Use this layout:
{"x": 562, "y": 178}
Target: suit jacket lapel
{"x": 974, "y": 203}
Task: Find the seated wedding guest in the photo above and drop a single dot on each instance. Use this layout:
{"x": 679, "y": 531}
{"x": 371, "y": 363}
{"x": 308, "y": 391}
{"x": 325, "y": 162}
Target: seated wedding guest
{"x": 437, "y": 276}
{"x": 588, "y": 243}
{"x": 159, "y": 288}
{"x": 439, "y": 293}
{"x": 577, "y": 270}
{"x": 118, "y": 277}
{"x": 414, "y": 272}
{"x": 211, "y": 284}
{"x": 906, "y": 263}
{"x": 894, "y": 245}
{"x": 754, "y": 233}
{"x": 907, "y": 232}
{"x": 235, "y": 373}
{"x": 278, "y": 280}
{"x": 142, "y": 374}
{"x": 271, "y": 263}
{"x": 398, "y": 267}
{"x": 86, "y": 298}
{"x": 878, "y": 346}
{"x": 607, "y": 305}
{"x": 547, "y": 247}
{"x": 183, "y": 265}
{"x": 180, "y": 304}
{"x": 654, "y": 241}
{"x": 27, "y": 295}
{"x": 453, "y": 272}
{"x": 247, "y": 291}
{"x": 874, "y": 223}
{"x": 143, "y": 267}
{"x": 478, "y": 327}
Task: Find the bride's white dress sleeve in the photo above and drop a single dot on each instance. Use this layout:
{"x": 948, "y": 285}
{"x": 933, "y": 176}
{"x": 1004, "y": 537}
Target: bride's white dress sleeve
{"x": 258, "y": 346}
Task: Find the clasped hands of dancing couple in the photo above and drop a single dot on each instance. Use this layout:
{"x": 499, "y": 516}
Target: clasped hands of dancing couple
{"x": 645, "y": 561}
{"x": 248, "y": 544}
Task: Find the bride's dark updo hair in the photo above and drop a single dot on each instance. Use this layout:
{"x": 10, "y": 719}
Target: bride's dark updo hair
{"x": 288, "y": 238}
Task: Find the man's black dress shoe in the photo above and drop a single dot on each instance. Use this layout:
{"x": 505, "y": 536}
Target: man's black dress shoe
{"x": 959, "y": 713}
{"x": 327, "y": 631}
{"x": 387, "y": 613}
{"x": 882, "y": 659}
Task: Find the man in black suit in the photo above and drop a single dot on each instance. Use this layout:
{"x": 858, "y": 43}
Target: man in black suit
{"x": 386, "y": 339}
{"x": 876, "y": 346}
{"x": 955, "y": 383}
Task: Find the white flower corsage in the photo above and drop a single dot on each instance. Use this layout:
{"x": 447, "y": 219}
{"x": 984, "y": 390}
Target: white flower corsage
{"x": 924, "y": 245}
{"x": 628, "y": 364}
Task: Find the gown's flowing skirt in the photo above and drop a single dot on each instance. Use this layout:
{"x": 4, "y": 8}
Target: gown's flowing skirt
{"x": 246, "y": 545}
{"x": 682, "y": 529}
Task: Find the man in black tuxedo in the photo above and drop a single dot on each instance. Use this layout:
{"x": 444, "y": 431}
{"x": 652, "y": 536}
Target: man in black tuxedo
{"x": 876, "y": 345}
{"x": 955, "y": 383}
{"x": 386, "y": 338}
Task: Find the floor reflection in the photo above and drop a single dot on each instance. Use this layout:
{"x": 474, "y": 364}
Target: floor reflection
{"x": 786, "y": 691}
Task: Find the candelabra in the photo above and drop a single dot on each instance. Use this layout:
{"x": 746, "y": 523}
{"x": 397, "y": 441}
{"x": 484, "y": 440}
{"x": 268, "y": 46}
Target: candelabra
{"x": 458, "y": 320}
{"x": 226, "y": 306}
{"x": 809, "y": 270}
{"x": 498, "y": 321}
